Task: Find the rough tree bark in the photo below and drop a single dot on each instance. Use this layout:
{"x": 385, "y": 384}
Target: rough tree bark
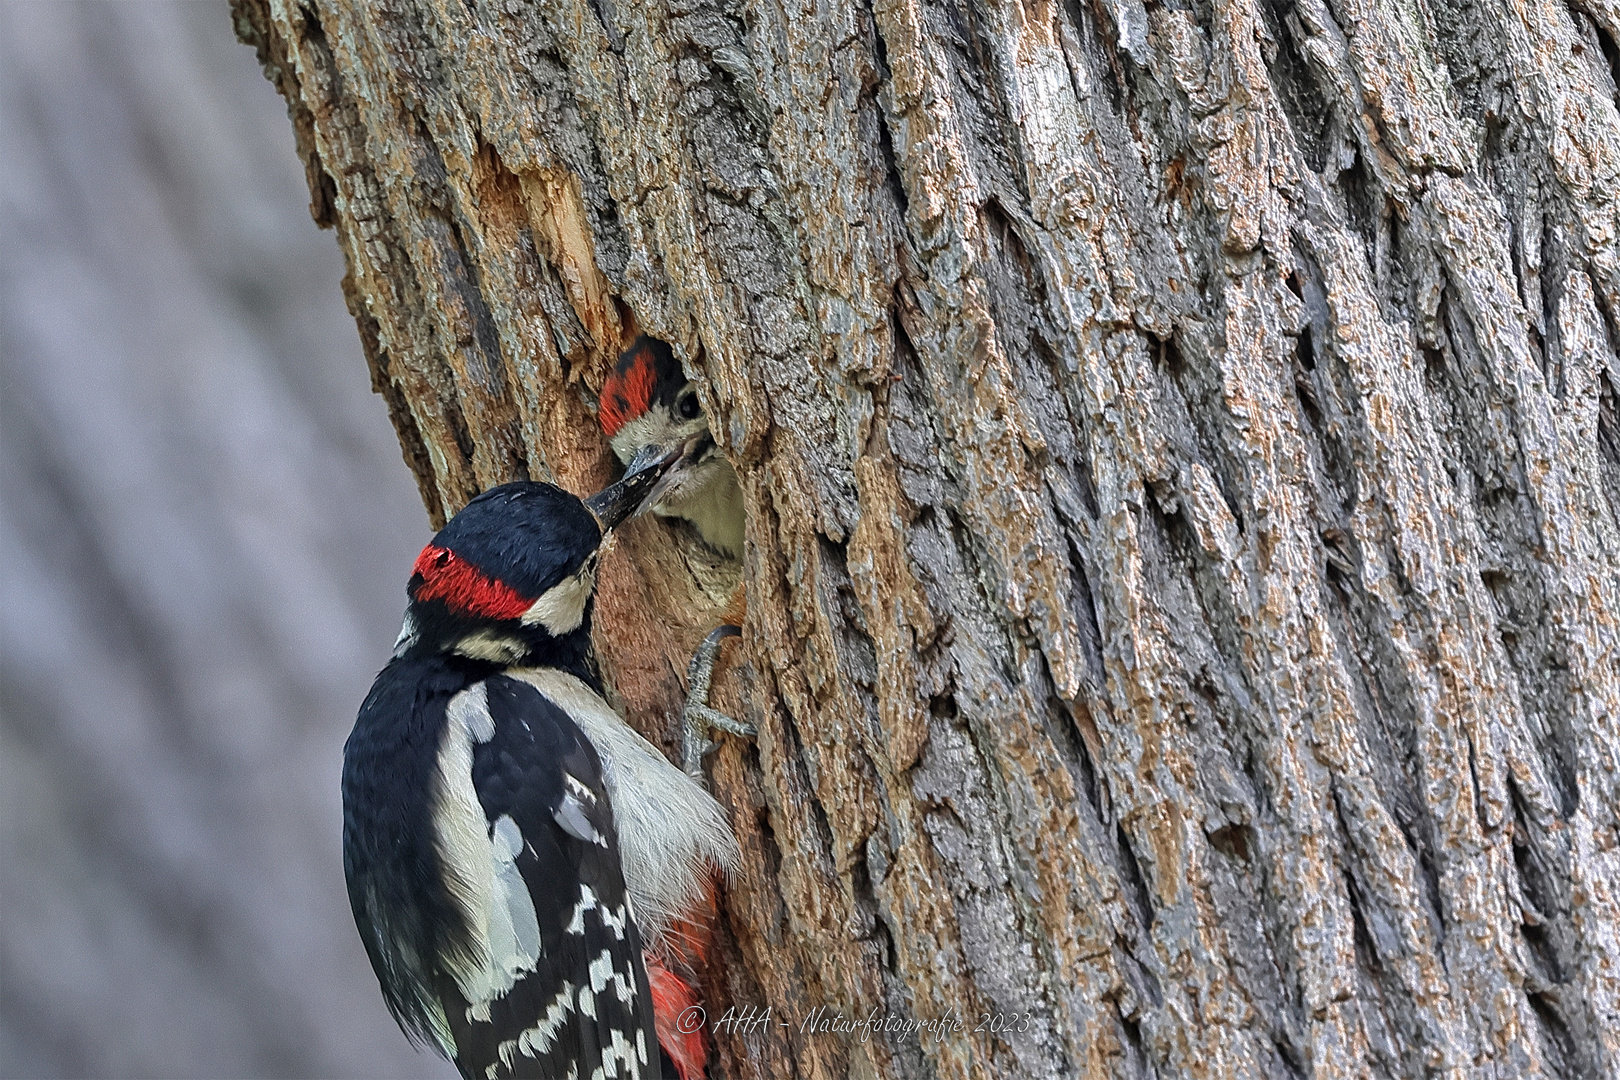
{"x": 1182, "y": 453}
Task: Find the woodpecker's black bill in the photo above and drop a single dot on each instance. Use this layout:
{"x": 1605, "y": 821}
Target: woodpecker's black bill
{"x": 618, "y": 501}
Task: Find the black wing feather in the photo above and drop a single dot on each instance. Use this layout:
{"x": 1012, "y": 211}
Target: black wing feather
{"x": 522, "y": 772}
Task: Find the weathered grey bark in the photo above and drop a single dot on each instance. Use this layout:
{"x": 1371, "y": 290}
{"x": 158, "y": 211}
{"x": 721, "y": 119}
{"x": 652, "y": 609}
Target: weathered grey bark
{"x": 1182, "y": 454}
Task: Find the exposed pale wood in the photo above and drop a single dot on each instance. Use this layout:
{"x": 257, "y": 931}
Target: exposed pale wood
{"x": 1182, "y": 453}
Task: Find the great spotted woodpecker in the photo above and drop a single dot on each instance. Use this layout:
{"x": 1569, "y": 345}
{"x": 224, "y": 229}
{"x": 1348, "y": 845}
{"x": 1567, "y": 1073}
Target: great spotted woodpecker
{"x": 517, "y": 856}
{"x": 648, "y": 407}
{"x": 647, "y": 401}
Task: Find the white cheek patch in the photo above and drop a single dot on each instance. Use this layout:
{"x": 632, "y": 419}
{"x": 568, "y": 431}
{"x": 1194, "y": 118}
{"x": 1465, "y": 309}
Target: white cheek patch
{"x": 561, "y": 608}
{"x": 653, "y": 426}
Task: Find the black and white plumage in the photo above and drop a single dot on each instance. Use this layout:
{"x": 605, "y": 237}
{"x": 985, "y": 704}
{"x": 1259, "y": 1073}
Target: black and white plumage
{"x": 510, "y": 843}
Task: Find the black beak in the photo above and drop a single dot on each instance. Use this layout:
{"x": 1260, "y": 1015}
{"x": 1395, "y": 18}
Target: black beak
{"x": 618, "y": 501}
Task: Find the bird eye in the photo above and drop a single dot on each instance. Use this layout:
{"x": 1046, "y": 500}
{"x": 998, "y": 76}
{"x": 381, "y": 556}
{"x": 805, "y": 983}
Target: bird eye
{"x": 688, "y": 406}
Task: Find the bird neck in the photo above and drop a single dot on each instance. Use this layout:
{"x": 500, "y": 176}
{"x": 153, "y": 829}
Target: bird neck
{"x": 715, "y": 509}
{"x": 488, "y": 647}
{"x": 572, "y": 655}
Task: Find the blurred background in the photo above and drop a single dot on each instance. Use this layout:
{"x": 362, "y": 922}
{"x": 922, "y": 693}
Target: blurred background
{"x": 205, "y": 534}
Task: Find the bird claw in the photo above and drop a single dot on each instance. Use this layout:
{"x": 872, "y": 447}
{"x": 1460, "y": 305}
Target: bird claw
{"x": 699, "y": 716}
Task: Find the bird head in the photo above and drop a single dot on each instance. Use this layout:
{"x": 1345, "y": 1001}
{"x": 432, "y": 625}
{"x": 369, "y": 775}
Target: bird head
{"x": 509, "y": 580}
{"x": 648, "y": 402}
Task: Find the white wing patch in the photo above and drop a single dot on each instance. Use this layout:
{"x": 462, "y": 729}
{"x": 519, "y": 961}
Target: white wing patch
{"x": 479, "y": 864}
{"x": 587, "y": 901}
{"x": 571, "y": 812}
{"x": 561, "y": 608}
{"x": 603, "y": 974}
{"x": 471, "y": 708}
{"x": 619, "y": 923}
{"x": 621, "y": 1052}
{"x": 587, "y": 1002}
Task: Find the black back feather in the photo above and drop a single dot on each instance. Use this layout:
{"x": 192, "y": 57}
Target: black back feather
{"x": 401, "y": 906}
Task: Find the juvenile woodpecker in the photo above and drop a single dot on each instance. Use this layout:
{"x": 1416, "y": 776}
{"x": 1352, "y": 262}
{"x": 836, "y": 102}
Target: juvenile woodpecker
{"x": 649, "y": 408}
{"x": 647, "y": 401}
{"x": 517, "y": 856}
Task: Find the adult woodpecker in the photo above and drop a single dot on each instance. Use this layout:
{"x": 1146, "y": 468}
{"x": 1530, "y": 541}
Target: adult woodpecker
{"x": 649, "y": 408}
{"x": 517, "y": 856}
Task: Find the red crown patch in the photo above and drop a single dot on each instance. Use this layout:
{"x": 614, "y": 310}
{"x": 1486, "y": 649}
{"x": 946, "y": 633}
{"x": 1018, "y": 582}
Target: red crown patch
{"x": 628, "y": 391}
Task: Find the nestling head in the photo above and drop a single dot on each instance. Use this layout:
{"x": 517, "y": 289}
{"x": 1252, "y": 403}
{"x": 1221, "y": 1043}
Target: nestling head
{"x": 648, "y": 402}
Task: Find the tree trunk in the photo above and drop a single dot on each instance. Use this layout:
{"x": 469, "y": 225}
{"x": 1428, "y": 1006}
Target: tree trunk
{"x": 1182, "y": 457}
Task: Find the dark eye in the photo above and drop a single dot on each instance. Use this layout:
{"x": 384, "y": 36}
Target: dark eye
{"x": 688, "y": 408}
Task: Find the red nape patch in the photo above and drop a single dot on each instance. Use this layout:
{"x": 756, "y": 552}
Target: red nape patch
{"x": 628, "y": 392}
{"x": 448, "y": 577}
{"x": 675, "y": 1010}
